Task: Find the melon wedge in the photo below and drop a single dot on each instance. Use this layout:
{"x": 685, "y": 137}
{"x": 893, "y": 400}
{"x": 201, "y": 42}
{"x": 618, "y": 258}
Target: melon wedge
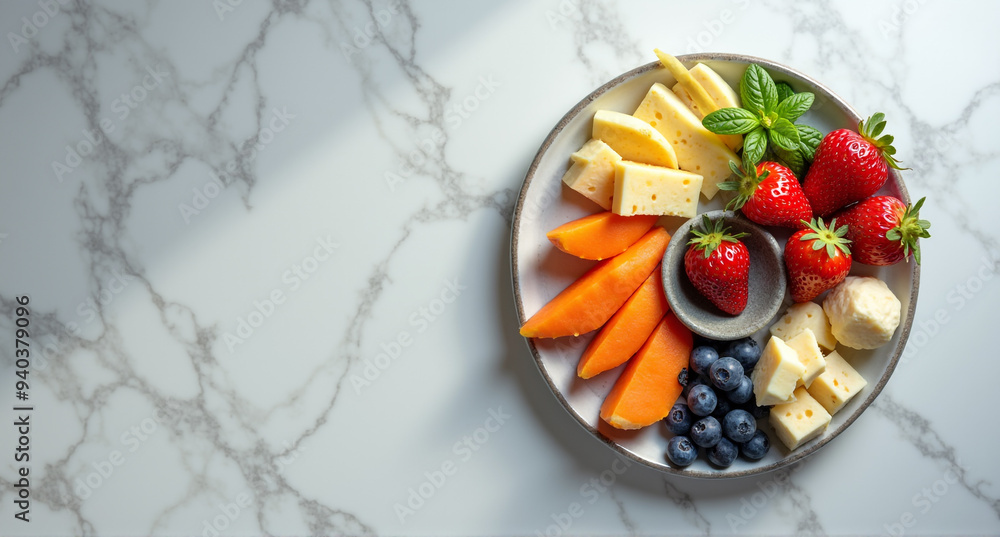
{"x": 648, "y": 388}
{"x": 627, "y": 330}
{"x": 600, "y": 236}
{"x": 591, "y": 300}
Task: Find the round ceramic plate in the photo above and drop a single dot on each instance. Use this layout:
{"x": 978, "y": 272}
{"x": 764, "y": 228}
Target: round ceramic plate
{"x": 540, "y": 271}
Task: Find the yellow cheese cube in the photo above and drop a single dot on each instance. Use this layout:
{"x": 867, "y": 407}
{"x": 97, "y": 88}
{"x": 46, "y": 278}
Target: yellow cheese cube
{"x": 654, "y": 190}
{"x": 838, "y": 384}
{"x": 809, "y": 354}
{"x": 593, "y": 172}
{"x": 800, "y": 421}
{"x": 802, "y": 316}
{"x": 633, "y": 139}
{"x": 698, "y": 150}
{"x": 776, "y": 374}
{"x": 720, "y": 92}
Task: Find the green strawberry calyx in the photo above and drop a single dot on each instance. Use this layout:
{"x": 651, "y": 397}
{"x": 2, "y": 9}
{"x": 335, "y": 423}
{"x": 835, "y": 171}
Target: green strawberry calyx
{"x": 744, "y": 185}
{"x": 909, "y": 229}
{"x": 830, "y": 237}
{"x": 870, "y": 130}
{"x": 712, "y": 235}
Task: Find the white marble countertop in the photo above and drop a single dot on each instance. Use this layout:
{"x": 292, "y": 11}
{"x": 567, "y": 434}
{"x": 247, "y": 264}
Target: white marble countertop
{"x": 224, "y": 212}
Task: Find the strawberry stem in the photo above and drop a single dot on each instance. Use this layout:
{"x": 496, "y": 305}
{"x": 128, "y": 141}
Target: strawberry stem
{"x": 744, "y": 185}
{"x": 830, "y": 237}
{"x": 909, "y": 229}
{"x": 712, "y": 235}
{"x": 870, "y": 130}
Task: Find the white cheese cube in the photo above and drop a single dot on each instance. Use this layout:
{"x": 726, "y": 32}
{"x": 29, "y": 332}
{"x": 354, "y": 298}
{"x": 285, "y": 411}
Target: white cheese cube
{"x": 593, "y": 172}
{"x": 654, "y": 190}
{"x": 776, "y": 374}
{"x": 838, "y": 384}
{"x": 800, "y": 421}
{"x": 802, "y": 316}
{"x": 809, "y": 354}
{"x": 698, "y": 150}
{"x": 863, "y": 312}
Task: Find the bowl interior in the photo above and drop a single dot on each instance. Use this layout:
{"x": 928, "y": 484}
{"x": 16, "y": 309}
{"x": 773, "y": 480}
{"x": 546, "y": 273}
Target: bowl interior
{"x": 540, "y": 271}
{"x": 766, "y": 286}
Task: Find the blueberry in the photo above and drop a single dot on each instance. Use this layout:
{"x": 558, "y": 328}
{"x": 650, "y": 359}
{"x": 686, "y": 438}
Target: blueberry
{"x": 692, "y": 382}
{"x": 755, "y": 448}
{"x": 722, "y": 406}
{"x": 725, "y": 373}
{"x": 743, "y": 392}
{"x": 746, "y": 351}
{"x": 702, "y": 358}
{"x": 679, "y": 420}
{"x": 681, "y": 451}
{"x": 701, "y": 400}
{"x": 739, "y": 426}
{"x": 706, "y": 432}
{"x": 757, "y": 412}
{"x": 723, "y": 453}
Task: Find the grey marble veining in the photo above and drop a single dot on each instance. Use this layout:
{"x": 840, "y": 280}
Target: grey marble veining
{"x": 399, "y": 132}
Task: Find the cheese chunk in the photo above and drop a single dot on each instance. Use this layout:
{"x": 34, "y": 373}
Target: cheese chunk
{"x": 800, "y": 421}
{"x": 633, "y": 139}
{"x": 698, "y": 150}
{"x": 807, "y": 315}
{"x": 809, "y": 355}
{"x": 863, "y": 312}
{"x": 593, "y": 172}
{"x": 776, "y": 374}
{"x": 654, "y": 190}
{"x": 837, "y": 385}
{"x": 720, "y": 92}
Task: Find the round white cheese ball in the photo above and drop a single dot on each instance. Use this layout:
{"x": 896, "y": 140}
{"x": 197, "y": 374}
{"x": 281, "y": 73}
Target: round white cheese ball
{"x": 863, "y": 312}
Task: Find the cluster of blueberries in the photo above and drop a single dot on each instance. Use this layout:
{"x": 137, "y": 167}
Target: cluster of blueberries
{"x": 721, "y": 411}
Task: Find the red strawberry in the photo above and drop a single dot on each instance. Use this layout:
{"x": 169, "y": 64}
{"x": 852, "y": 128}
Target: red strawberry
{"x": 768, "y": 194}
{"x": 849, "y": 167}
{"x": 817, "y": 259}
{"x": 883, "y": 230}
{"x": 719, "y": 265}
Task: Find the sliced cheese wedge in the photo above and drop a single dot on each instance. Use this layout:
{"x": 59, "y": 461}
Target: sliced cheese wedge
{"x": 633, "y": 139}
{"x": 593, "y": 172}
{"x": 698, "y": 150}
{"x": 655, "y": 190}
{"x": 720, "y": 92}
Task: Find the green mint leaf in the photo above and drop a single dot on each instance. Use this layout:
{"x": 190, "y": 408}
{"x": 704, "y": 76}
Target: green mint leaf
{"x": 731, "y": 121}
{"x": 784, "y": 90}
{"x": 793, "y": 160}
{"x": 752, "y": 88}
{"x": 794, "y": 106}
{"x": 770, "y": 92}
{"x": 754, "y": 145}
{"x": 809, "y": 139}
{"x": 784, "y": 135}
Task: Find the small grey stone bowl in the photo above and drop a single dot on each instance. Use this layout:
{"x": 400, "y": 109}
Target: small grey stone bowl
{"x": 767, "y": 282}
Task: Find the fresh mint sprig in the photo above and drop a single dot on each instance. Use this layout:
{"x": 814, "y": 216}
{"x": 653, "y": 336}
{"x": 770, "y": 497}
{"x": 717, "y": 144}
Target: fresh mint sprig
{"x": 767, "y": 118}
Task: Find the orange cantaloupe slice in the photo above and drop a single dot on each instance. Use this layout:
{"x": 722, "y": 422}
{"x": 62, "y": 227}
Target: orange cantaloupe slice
{"x": 648, "y": 388}
{"x": 591, "y": 300}
{"x": 602, "y": 235}
{"x": 627, "y": 330}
